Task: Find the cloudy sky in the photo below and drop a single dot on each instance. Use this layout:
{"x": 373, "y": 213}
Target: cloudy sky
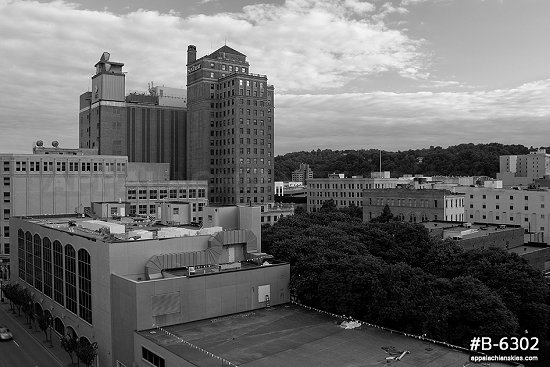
{"x": 390, "y": 74}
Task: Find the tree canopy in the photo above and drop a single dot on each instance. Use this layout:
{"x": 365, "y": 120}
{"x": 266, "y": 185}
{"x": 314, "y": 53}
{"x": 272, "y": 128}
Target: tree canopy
{"x": 459, "y": 160}
{"x": 396, "y": 275}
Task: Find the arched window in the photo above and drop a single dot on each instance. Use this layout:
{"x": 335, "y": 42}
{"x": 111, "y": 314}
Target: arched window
{"x": 29, "y": 262}
{"x": 84, "y": 286}
{"x": 58, "y": 273}
{"x": 38, "y": 262}
{"x": 47, "y": 266}
{"x": 21, "y": 253}
{"x": 70, "y": 279}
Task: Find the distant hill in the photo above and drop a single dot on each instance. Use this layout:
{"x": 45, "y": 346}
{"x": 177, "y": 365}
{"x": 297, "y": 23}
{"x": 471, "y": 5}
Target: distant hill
{"x": 458, "y": 160}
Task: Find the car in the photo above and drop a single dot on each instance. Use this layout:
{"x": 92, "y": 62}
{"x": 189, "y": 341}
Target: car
{"x": 5, "y": 333}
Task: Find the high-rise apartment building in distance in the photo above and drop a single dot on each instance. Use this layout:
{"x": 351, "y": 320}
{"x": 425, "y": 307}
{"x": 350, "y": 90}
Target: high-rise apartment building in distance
{"x": 230, "y": 127}
{"x": 523, "y": 170}
{"x": 145, "y": 127}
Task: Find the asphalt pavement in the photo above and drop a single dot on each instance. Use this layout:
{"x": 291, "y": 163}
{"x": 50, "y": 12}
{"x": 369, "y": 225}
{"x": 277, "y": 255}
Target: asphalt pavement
{"x": 28, "y": 347}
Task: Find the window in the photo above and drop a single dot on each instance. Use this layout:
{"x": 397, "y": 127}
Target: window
{"x": 38, "y": 262}
{"x": 58, "y": 273}
{"x": 47, "y": 266}
{"x": 28, "y": 258}
{"x": 142, "y": 209}
{"x": 182, "y": 193}
{"x": 84, "y": 286}
{"x": 152, "y": 358}
{"x": 70, "y": 278}
{"x": 21, "y": 253}
{"x": 131, "y": 194}
{"x": 192, "y": 193}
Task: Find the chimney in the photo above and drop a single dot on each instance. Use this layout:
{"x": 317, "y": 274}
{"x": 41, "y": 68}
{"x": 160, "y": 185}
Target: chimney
{"x": 191, "y": 54}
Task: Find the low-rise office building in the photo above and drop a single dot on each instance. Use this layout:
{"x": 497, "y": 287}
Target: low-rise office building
{"x": 414, "y": 205}
{"x": 346, "y": 191}
{"x": 56, "y": 181}
{"x": 104, "y": 279}
{"x": 144, "y": 196}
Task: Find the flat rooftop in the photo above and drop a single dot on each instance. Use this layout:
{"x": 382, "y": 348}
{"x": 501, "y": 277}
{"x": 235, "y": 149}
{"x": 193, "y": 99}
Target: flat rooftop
{"x": 75, "y": 225}
{"x": 479, "y": 229}
{"x": 290, "y": 335}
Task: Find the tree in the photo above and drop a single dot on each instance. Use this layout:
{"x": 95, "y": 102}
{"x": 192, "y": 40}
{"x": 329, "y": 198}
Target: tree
{"x": 299, "y": 210}
{"x": 70, "y": 344}
{"x": 385, "y": 217}
{"x": 43, "y": 324}
{"x": 396, "y": 275}
{"x": 86, "y": 352}
{"x": 353, "y": 211}
{"x": 328, "y": 206}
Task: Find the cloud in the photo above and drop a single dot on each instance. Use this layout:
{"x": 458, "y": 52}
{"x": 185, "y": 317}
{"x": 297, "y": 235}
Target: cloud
{"x": 49, "y": 50}
{"x": 395, "y": 121}
{"x": 310, "y": 50}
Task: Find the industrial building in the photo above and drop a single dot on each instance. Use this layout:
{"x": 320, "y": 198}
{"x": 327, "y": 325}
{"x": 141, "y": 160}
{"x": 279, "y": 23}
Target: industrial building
{"x": 149, "y": 127}
{"x": 104, "y": 279}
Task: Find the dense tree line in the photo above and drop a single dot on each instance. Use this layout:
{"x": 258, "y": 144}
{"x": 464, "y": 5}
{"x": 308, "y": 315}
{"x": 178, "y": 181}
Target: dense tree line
{"x": 458, "y": 160}
{"x": 396, "y": 275}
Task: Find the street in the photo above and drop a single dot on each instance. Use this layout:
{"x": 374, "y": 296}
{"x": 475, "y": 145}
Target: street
{"x": 23, "y": 350}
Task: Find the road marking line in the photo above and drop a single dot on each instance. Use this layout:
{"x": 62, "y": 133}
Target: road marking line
{"x": 17, "y": 344}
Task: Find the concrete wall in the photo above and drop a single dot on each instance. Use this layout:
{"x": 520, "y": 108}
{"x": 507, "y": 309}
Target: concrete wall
{"x": 504, "y": 239}
{"x": 538, "y": 259}
{"x": 170, "y": 359}
{"x": 144, "y": 172}
{"x": 197, "y": 298}
{"x": 100, "y": 330}
{"x": 235, "y": 217}
{"x": 211, "y": 295}
{"x": 124, "y": 324}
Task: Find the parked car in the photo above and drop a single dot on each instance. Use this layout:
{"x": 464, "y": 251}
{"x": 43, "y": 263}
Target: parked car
{"x": 5, "y": 333}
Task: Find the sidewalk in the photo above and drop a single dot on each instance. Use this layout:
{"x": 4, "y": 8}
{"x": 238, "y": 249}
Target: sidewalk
{"x": 56, "y": 351}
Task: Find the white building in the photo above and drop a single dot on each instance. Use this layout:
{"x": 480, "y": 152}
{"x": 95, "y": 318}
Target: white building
{"x": 527, "y": 208}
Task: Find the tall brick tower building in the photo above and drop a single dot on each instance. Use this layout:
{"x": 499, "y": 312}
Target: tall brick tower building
{"x": 230, "y": 127}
